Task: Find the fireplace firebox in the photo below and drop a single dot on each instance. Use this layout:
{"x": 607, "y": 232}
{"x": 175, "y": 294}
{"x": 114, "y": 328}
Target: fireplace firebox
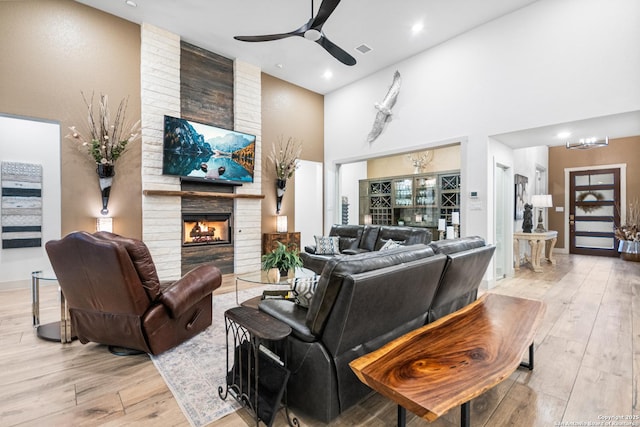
{"x": 206, "y": 229}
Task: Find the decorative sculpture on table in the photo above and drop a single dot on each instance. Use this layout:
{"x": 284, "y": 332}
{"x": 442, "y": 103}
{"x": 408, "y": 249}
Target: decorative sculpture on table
{"x": 527, "y": 222}
{"x": 107, "y": 140}
{"x": 384, "y": 108}
{"x": 286, "y": 159}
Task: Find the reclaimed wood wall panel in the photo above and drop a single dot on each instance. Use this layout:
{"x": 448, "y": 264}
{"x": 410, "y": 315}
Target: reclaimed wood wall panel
{"x": 206, "y": 86}
{"x": 206, "y": 92}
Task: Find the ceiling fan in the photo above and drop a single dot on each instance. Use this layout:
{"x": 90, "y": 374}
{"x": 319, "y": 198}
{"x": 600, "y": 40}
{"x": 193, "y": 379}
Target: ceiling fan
{"x": 312, "y": 30}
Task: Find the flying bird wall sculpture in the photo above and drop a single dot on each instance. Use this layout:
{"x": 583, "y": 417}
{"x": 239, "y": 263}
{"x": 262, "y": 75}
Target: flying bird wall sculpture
{"x": 384, "y": 108}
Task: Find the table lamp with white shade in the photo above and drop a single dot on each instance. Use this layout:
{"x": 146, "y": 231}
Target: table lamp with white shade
{"x": 541, "y": 201}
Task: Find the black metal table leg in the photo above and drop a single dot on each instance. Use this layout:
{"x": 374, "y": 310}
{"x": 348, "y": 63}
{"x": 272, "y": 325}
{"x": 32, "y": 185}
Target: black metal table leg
{"x": 465, "y": 415}
{"x": 402, "y": 416}
{"x": 529, "y": 365}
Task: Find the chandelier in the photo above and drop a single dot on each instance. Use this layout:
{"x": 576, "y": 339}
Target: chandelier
{"x": 587, "y": 143}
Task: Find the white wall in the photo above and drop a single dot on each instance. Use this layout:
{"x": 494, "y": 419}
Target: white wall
{"x": 553, "y": 61}
{"x": 308, "y": 202}
{"x": 32, "y": 141}
{"x": 525, "y": 161}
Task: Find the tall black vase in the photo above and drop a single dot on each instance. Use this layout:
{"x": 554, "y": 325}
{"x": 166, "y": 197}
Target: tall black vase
{"x": 281, "y": 185}
{"x": 105, "y": 175}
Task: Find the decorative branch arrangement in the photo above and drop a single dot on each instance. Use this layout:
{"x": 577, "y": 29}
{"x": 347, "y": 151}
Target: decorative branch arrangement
{"x": 631, "y": 229}
{"x": 107, "y": 140}
{"x": 286, "y": 158}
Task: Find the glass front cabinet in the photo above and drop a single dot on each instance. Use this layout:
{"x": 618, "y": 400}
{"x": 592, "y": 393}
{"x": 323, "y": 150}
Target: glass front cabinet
{"x": 413, "y": 200}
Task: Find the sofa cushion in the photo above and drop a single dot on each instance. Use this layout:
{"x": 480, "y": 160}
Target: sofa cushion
{"x": 402, "y": 235}
{"x": 304, "y": 288}
{"x": 390, "y": 244}
{"x": 327, "y": 245}
{"x": 292, "y": 314}
{"x": 369, "y": 237}
{"x": 452, "y": 246}
{"x": 338, "y": 267}
{"x": 349, "y": 235}
{"x": 460, "y": 280}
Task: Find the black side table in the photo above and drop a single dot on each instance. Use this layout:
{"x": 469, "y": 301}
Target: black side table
{"x": 258, "y": 377}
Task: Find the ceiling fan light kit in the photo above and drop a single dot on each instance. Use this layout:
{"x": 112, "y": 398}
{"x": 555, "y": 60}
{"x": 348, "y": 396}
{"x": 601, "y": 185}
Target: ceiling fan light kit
{"x": 312, "y": 31}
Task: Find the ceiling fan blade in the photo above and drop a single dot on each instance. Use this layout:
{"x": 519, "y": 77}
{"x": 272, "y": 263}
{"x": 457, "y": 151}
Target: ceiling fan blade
{"x": 336, "y": 51}
{"x": 269, "y": 37}
{"x": 324, "y": 12}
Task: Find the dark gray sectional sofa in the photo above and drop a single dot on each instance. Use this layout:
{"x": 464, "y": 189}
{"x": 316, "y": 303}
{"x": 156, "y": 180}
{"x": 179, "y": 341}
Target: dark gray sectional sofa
{"x": 365, "y": 300}
{"x": 357, "y": 239}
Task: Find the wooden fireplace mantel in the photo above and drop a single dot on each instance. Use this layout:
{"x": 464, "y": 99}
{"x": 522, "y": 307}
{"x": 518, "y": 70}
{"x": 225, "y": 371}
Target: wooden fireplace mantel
{"x": 202, "y": 194}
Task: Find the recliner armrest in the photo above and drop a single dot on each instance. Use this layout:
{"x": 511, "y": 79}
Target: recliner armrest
{"x": 191, "y": 288}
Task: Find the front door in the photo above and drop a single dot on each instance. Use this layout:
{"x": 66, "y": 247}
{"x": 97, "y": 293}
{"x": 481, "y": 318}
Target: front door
{"x": 593, "y": 213}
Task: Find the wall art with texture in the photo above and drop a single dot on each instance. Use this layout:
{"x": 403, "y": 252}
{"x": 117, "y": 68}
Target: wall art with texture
{"x": 21, "y": 207}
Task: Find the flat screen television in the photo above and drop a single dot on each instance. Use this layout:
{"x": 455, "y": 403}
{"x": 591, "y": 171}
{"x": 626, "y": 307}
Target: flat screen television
{"x": 207, "y": 153}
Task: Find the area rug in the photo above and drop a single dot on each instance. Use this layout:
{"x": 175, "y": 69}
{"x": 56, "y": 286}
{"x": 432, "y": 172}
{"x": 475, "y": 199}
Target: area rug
{"x": 196, "y": 368}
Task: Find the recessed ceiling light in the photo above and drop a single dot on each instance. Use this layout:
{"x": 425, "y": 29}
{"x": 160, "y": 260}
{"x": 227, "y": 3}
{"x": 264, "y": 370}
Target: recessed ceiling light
{"x": 327, "y": 74}
{"x": 417, "y": 27}
{"x": 279, "y": 66}
{"x": 564, "y": 135}
{"x": 131, "y": 3}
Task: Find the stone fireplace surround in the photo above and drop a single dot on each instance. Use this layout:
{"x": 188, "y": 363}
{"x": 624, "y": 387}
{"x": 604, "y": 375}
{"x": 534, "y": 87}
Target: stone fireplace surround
{"x": 163, "y": 196}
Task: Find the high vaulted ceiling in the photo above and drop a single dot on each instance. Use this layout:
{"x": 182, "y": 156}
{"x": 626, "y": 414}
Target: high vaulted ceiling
{"x": 384, "y": 26}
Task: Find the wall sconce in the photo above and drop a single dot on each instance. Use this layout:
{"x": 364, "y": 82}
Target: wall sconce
{"x": 281, "y": 224}
{"x": 104, "y": 223}
{"x": 367, "y": 219}
{"x": 281, "y": 186}
{"x": 541, "y": 201}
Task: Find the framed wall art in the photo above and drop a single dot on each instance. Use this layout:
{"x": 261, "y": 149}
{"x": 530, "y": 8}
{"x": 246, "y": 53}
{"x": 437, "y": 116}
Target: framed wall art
{"x": 521, "y": 194}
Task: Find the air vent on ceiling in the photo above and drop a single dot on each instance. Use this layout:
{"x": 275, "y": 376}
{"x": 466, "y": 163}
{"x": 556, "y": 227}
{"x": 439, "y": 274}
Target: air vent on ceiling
{"x": 363, "y": 48}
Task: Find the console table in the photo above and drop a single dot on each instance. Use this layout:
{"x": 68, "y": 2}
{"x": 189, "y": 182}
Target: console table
{"x": 539, "y": 242}
{"x": 454, "y": 359}
{"x": 288, "y": 239}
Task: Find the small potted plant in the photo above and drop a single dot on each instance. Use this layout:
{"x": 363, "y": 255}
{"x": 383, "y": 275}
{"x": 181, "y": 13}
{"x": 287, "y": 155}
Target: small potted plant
{"x": 282, "y": 259}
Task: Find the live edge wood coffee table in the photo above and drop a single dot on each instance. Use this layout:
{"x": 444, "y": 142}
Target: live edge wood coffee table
{"x": 449, "y": 362}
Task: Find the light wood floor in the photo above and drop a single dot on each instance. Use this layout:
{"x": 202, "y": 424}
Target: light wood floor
{"x": 586, "y": 366}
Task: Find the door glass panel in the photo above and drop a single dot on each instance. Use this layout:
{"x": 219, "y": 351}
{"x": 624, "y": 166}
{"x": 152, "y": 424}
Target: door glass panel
{"x": 596, "y": 179}
{"x": 595, "y": 196}
{"x": 594, "y": 242}
{"x": 594, "y": 210}
{"x": 595, "y": 226}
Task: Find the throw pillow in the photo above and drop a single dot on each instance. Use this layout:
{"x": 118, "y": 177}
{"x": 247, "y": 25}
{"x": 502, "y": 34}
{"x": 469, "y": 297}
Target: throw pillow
{"x": 327, "y": 245}
{"x": 304, "y": 288}
{"x": 390, "y": 244}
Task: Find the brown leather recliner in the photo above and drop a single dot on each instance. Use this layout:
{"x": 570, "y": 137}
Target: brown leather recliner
{"x": 115, "y": 297}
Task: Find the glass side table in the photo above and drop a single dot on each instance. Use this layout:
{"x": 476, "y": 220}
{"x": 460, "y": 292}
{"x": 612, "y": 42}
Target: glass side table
{"x": 261, "y": 278}
{"x": 54, "y": 331}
